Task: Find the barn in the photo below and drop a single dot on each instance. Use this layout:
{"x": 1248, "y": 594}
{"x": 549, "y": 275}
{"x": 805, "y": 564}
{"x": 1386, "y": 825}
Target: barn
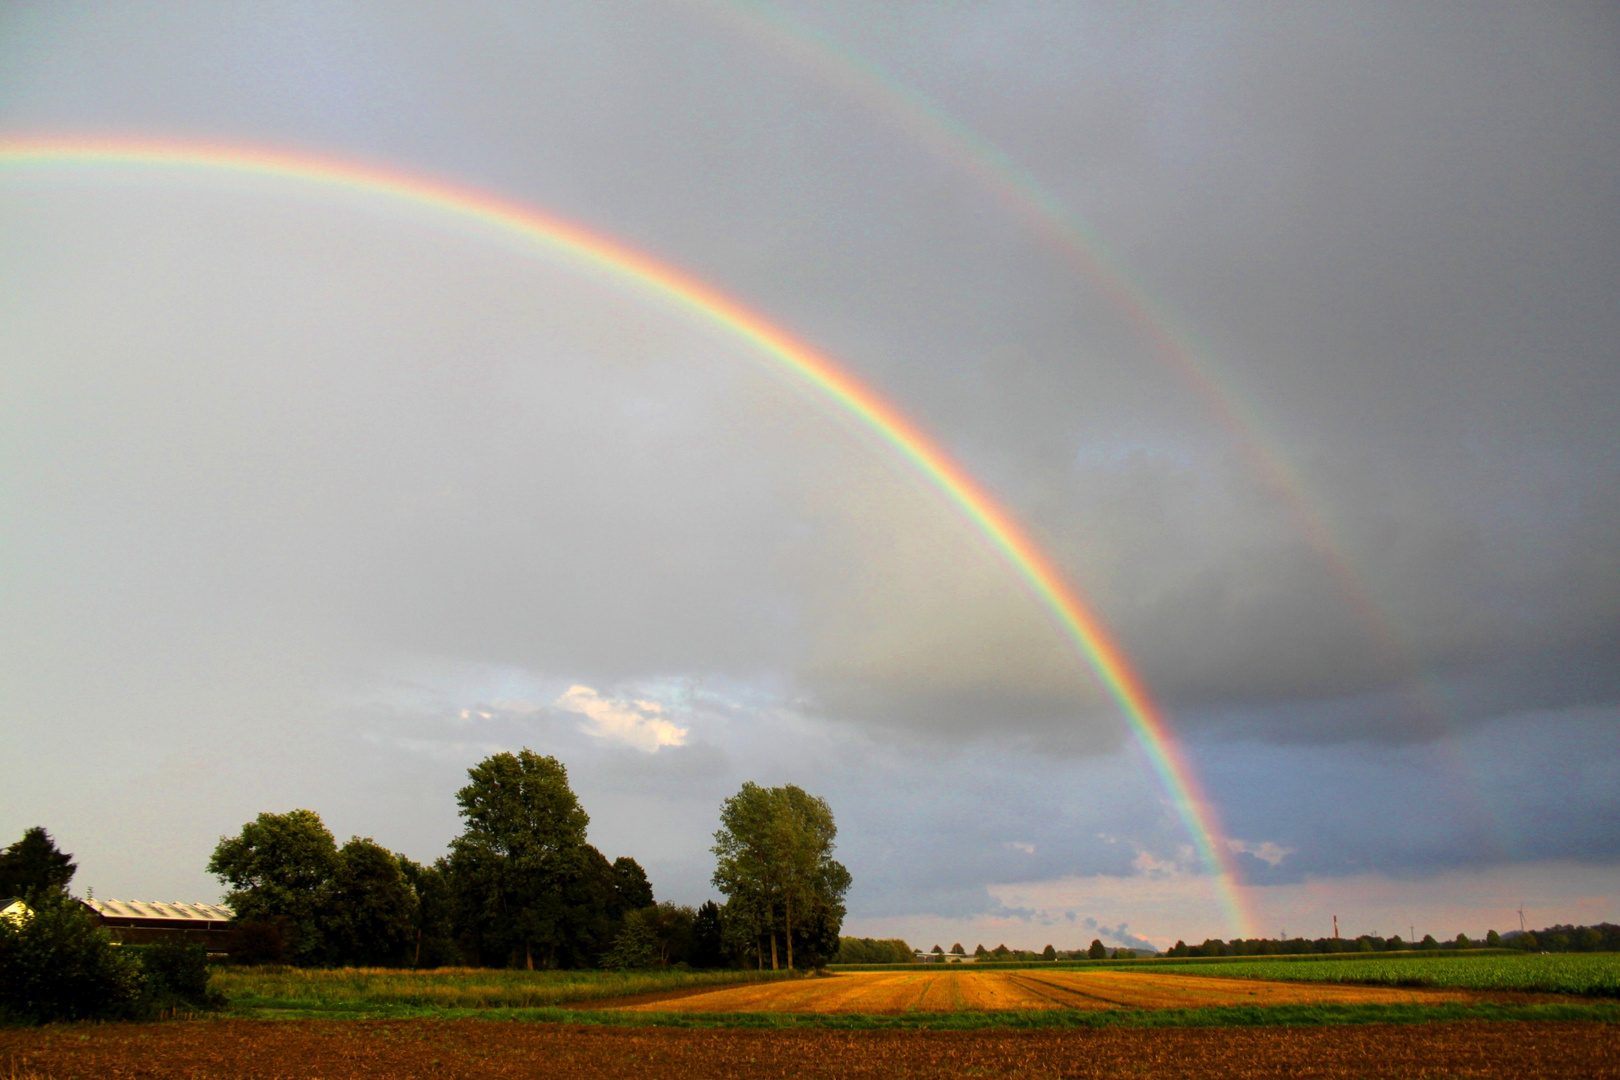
{"x": 147, "y": 922}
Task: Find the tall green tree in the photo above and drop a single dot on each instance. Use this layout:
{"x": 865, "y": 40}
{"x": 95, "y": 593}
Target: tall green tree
{"x": 631, "y": 889}
{"x": 278, "y": 869}
{"x": 369, "y": 907}
{"x": 708, "y": 937}
{"x": 521, "y": 866}
{"x": 432, "y": 928}
{"x": 33, "y": 869}
{"x": 774, "y": 850}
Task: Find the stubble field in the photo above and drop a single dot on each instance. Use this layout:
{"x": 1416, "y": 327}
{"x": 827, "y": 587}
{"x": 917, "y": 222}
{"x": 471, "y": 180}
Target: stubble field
{"x": 946, "y": 991}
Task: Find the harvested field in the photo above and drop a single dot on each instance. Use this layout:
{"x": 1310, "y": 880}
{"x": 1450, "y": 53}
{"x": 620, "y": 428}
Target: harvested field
{"x": 885, "y": 992}
{"x": 450, "y": 1050}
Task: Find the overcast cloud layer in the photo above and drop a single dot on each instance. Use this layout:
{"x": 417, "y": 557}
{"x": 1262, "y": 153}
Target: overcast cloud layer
{"x": 310, "y": 500}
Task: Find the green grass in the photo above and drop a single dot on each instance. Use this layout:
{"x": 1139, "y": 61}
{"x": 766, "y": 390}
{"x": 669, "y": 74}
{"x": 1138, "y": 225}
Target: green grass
{"x": 388, "y": 991}
{"x": 1583, "y": 974}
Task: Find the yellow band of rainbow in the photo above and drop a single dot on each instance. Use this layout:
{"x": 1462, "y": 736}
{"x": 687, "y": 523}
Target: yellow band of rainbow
{"x": 642, "y": 272}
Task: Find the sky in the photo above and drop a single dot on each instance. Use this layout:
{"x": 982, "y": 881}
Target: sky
{"x": 1289, "y": 335}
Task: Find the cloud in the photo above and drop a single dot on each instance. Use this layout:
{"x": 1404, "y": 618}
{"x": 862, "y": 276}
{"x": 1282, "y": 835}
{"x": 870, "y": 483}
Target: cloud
{"x": 641, "y": 724}
{"x": 1266, "y": 851}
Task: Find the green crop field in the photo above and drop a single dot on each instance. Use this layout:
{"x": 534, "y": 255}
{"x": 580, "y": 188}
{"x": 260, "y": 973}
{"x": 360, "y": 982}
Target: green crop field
{"x": 391, "y": 990}
{"x": 1585, "y": 974}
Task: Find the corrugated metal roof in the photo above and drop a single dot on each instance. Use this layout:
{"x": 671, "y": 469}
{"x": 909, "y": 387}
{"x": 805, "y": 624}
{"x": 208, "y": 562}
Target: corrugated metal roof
{"x": 152, "y": 909}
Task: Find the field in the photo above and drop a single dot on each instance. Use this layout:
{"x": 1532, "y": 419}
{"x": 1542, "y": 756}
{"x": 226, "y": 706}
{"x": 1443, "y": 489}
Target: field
{"x": 942, "y": 990}
{"x": 390, "y": 991}
{"x": 1250, "y": 1019}
{"x": 1585, "y": 974}
{"x": 453, "y": 1050}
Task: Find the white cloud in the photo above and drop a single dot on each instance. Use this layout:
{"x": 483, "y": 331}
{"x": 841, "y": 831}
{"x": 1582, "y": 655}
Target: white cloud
{"x": 1022, "y": 845}
{"x": 641, "y": 724}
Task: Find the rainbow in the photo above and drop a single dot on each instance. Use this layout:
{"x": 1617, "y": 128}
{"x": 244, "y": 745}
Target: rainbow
{"x": 1069, "y": 236}
{"x": 708, "y": 305}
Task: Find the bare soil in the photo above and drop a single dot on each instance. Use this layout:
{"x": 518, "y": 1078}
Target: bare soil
{"x": 489, "y": 1050}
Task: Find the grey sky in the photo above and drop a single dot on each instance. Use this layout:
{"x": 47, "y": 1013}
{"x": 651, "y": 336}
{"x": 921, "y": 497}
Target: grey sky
{"x": 289, "y": 482}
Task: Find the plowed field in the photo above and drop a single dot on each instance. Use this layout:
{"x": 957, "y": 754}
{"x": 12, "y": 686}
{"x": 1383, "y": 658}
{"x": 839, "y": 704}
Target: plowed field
{"x": 995, "y": 991}
{"x": 491, "y": 1050}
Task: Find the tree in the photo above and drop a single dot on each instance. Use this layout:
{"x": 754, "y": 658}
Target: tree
{"x": 33, "y": 869}
{"x": 635, "y": 946}
{"x": 1099, "y": 951}
{"x": 1049, "y": 953}
{"x": 369, "y": 907}
{"x": 432, "y": 932}
{"x": 521, "y": 866}
{"x": 1493, "y": 940}
{"x": 278, "y": 869}
{"x": 631, "y": 888}
{"x": 980, "y": 951}
{"x": 774, "y": 848}
{"x": 708, "y": 937}
{"x": 957, "y": 950}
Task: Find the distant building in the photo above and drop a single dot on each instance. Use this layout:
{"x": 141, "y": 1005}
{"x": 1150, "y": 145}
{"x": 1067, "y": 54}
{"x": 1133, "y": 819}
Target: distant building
{"x": 941, "y": 958}
{"x": 14, "y": 910}
{"x": 145, "y": 922}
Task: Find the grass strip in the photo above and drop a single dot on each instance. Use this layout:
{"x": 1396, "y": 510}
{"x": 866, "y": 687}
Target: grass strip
{"x": 1226, "y": 1016}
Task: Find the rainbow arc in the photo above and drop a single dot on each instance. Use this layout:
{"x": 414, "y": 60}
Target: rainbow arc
{"x": 640, "y": 271}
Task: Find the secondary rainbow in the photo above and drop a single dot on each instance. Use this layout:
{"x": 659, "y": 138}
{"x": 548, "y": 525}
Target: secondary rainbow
{"x": 647, "y": 274}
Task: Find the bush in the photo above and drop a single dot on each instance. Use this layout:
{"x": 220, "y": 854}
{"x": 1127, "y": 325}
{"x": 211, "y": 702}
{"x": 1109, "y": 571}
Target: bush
{"x": 57, "y": 964}
{"x": 175, "y": 979}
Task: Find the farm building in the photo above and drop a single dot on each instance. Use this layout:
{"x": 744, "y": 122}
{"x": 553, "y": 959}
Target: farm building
{"x": 144, "y": 922}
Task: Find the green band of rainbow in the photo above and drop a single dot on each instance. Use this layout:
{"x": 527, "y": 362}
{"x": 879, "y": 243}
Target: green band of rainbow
{"x": 817, "y": 370}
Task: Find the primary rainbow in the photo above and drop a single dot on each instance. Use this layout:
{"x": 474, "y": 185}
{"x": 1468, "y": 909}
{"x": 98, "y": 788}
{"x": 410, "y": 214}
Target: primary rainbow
{"x": 813, "y": 368}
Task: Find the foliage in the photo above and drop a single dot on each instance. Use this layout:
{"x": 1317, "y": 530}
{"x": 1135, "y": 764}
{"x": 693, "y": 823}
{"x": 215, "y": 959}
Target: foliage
{"x": 33, "y": 869}
{"x": 636, "y": 945}
{"x": 57, "y": 964}
{"x": 368, "y": 907}
{"x": 708, "y": 937}
{"x": 853, "y": 950}
{"x": 175, "y": 978}
{"x": 526, "y": 888}
{"x": 774, "y": 850}
{"x": 432, "y": 928}
{"x": 1097, "y": 951}
{"x": 631, "y": 889}
{"x": 278, "y": 869}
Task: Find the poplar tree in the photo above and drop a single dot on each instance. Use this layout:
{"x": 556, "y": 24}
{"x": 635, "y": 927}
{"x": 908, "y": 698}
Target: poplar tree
{"x": 775, "y": 865}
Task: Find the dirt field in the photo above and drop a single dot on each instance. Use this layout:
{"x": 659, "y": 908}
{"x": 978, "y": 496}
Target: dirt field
{"x": 489, "y": 1050}
{"x": 955, "y": 991}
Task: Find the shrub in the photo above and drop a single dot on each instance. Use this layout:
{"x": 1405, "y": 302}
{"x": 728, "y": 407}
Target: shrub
{"x": 57, "y": 964}
{"x": 175, "y": 979}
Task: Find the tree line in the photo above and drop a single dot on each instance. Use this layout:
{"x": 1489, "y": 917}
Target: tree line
{"x": 1605, "y": 937}
{"x": 522, "y": 887}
